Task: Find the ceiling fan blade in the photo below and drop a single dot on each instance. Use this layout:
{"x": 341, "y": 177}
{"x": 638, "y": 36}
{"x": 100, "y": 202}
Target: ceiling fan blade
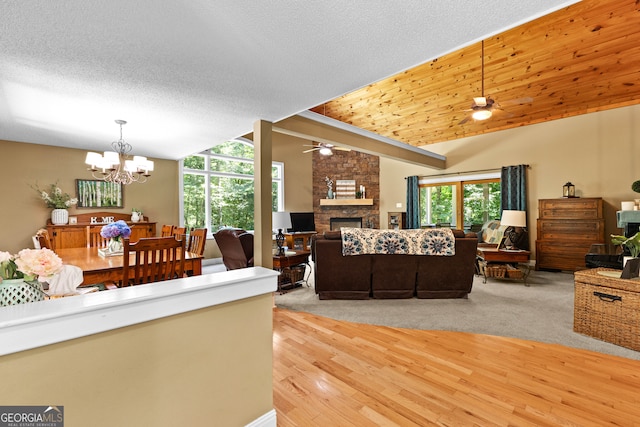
{"x": 465, "y": 120}
{"x": 311, "y": 149}
{"x": 340, "y": 148}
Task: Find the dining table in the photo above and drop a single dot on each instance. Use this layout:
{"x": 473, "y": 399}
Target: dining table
{"x": 99, "y": 269}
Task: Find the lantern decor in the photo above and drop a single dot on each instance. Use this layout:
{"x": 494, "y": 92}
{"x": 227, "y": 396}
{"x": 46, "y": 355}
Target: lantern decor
{"x": 569, "y": 190}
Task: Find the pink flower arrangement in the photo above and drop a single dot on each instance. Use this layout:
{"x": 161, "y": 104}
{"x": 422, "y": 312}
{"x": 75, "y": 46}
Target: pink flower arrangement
{"x": 40, "y": 263}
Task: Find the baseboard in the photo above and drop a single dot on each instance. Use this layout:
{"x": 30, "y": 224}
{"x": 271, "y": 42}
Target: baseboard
{"x": 266, "y": 420}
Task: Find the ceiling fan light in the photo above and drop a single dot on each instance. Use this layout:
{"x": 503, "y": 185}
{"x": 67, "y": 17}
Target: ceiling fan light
{"x": 326, "y": 151}
{"x": 481, "y": 114}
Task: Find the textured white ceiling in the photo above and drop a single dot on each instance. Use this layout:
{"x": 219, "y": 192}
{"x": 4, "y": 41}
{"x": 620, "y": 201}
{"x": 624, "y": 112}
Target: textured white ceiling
{"x": 187, "y": 74}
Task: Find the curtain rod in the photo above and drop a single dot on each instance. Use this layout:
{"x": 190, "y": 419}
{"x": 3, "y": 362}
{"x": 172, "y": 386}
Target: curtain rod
{"x": 465, "y": 173}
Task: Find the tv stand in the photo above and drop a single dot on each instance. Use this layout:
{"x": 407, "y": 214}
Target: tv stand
{"x": 298, "y": 240}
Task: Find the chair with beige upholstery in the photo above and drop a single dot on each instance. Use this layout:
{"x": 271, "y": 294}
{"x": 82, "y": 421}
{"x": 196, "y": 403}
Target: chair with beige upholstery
{"x": 95, "y": 239}
{"x": 155, "y": 259}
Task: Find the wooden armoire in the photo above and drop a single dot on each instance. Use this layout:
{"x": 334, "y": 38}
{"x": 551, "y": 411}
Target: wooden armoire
{"x": 567, "y": 228}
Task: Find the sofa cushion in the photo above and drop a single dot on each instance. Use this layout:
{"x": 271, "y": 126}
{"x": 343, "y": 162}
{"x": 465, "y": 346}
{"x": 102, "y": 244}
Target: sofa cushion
{"x": 333, "y": 235}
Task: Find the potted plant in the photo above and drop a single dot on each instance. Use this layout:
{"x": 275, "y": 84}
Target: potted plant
{"x": 632, "y": 244}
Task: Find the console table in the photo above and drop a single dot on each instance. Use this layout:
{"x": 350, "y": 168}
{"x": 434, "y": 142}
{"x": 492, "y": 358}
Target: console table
{"x": 75, "y": 235}
{"x": 509, "y": 259}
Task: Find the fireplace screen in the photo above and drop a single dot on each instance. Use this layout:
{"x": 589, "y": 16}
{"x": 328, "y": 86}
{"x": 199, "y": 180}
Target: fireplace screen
{"x": 336, "y": 223}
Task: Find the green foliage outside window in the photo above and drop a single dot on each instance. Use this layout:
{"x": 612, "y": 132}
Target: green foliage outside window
{"x": 231, "y": 187}
{"x": 481, "y": 202}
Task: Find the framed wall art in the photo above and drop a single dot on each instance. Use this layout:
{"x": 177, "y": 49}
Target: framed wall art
{"x": 93, "y": 193}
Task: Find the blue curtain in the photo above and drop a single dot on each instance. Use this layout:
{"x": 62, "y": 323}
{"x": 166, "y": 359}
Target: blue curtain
{"x": 514, "y": 187}
{"x": 413, "y": 202}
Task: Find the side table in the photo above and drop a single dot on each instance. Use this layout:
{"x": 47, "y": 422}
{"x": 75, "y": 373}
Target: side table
{"x": 286, "y": 264}
{"x": 512, "y": 264}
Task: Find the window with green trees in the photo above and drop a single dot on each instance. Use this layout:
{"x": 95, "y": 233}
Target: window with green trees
{"x": 470, "y": 203}
{"x": 217, "y": 187}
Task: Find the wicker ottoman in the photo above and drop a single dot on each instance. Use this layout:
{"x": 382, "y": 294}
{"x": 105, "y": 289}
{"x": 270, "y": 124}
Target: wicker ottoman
{"x": 606, "y": 307}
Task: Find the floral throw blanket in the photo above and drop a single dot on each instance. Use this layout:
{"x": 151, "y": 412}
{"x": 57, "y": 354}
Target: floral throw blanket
{"x": 360, "y": 241}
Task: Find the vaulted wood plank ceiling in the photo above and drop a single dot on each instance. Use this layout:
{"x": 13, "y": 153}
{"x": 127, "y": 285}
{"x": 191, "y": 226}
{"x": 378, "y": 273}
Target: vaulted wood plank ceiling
{"x": 581, "y": 59}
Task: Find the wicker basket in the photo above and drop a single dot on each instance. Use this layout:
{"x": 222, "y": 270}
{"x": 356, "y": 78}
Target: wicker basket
{"x": 514, "y": 273}
{"x": 291, "y": 275}
{"x": 610, "y": 313}
{"x": 498, "y": 271}
{"x": 17, "y": 291}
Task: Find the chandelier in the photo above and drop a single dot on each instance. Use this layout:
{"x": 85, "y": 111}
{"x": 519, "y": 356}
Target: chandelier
{"x": 115, "y": 166}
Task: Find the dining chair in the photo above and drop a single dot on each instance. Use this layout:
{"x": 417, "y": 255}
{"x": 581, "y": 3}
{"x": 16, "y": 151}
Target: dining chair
{"x": 179, "y": 232}
{"x": 95, "y": 239}
{"x": 167, "y": 230}
{"x": 197, "y": 240}
{"x": 155, "y": 259}
{"x": 42, "y": 236}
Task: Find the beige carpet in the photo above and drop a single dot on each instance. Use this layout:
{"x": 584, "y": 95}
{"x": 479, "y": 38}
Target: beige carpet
{"x": 542, "y": 311}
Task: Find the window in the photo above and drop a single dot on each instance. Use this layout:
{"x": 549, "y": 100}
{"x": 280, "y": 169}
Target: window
{"x": 471, "y": 201}
{"x": 217, "y": 187}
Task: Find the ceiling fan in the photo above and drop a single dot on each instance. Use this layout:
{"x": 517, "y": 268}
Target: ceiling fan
{"x": 325, "y": 148}
{"x": 483, "y": 107}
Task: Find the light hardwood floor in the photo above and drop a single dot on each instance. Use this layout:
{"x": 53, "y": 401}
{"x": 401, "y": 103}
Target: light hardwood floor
{"x": 336, "y": 373}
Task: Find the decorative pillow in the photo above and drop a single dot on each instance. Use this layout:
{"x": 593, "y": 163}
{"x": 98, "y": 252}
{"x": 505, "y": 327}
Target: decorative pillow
{"x": 492, "y": 232}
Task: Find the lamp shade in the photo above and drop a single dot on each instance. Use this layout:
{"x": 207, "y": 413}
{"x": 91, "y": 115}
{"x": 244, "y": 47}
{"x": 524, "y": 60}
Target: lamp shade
{"x": 514, "y": 218}
{"x": 281, "y": 220}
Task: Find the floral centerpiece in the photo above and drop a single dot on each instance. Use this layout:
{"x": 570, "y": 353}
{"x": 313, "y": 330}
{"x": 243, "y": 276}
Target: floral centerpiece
{"x": 115, "y": 231}
{"x": 29, "y": 264}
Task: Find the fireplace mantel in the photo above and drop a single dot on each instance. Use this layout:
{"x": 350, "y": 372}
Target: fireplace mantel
{"x": 346, "y": 202}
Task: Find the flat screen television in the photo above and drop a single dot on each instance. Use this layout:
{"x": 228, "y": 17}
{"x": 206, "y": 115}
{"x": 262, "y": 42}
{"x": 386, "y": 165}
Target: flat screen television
{"x": 302, "y": 221}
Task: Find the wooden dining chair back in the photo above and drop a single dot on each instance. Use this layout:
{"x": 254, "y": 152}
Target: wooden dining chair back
{"x": 95, "y": 239}
{"x": 197, "y": 240}
{"x": 155, "y": 259}
{"x": 43, "y": 239}
{"x": 167, "y": 230}
{"x": 179, "y": 233}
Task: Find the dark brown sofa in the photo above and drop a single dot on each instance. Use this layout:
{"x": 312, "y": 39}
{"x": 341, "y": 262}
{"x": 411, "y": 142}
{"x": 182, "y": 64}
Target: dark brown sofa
{"x": 392, "y": 276}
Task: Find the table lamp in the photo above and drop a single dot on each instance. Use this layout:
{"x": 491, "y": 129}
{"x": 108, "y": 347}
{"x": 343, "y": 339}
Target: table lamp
{"x": 514, "y": 220}
{"x": 280, "y": 221}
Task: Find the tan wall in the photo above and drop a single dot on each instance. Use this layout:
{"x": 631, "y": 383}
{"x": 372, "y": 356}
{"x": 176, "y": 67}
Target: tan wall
{"x": 22, "y": 211}
{"x": 598, "y": 152}
{"x": 297, "y": 172}
{"x": 203, "y": 368}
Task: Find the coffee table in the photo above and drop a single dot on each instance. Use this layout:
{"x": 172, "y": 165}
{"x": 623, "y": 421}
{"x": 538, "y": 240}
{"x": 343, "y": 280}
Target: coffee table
{"x": 512, "y": 260}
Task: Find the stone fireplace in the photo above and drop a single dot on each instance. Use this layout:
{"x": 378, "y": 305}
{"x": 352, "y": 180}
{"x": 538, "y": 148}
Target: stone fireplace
{"x": 361, "y": 167}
